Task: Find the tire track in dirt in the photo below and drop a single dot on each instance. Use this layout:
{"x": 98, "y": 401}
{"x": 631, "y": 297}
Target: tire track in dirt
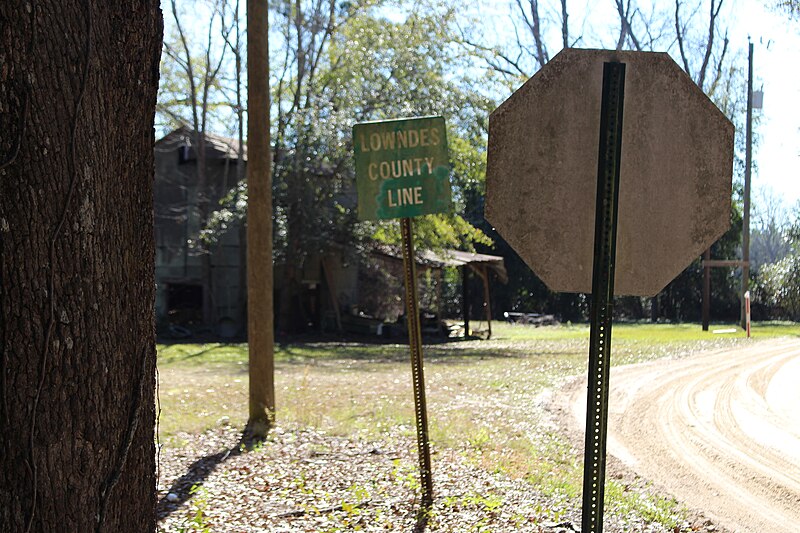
{"x": 720, "y": 431}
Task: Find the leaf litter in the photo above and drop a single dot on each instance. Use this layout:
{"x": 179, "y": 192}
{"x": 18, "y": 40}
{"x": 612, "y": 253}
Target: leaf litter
{"x": 305, "y": 479}
{"x": 302, "y": 479}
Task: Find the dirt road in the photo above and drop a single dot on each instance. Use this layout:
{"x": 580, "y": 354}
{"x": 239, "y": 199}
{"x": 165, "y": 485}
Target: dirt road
{"x": 720, "y": 431}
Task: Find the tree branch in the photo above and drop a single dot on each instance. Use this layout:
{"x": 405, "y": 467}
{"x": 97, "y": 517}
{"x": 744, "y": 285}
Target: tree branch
{"x": 679, "y": 33}
{"x": 626, "y": 29}
{"x": 188, "y": 68}
{"x": 712, "y": 30}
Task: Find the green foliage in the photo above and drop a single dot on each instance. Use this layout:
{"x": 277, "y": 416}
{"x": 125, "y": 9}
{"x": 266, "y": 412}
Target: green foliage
{"x": 780, "y": 286}
{"x": 622, "y": 501}
{"x": 484, "y": 506}
{"x": 778, "y": 283}
{"x": 792, "y": 7}
{"x": 201, "y": 354}
{"x": 374, "y": 68}
{"x": 451, "y": 293}
{"x": 341, "y": 63}
{"x": 197, "y": 521}
{"x": 406, "y": 475}
{"x": 433, "y": 232}
{"x": 231, "y": 211}
{"x": 334, "y": 64}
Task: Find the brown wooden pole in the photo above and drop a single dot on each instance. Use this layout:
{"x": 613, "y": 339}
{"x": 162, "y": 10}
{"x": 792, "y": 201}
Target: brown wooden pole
{"x": 706, "y": 289}
{"x": 465, "y": 298}
{"x": 260, "y": 333}
{"x": 747, "y": 178}
{"x": 488, "y": 300}
{"x": 438, "y": 275}
{"x": 332, "y": 292}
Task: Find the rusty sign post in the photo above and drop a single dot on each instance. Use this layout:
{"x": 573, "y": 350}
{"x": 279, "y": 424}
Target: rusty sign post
{"x": 589, "y": 220}
{"x": 403, "y": 171}
{"x": 417, "y": 372}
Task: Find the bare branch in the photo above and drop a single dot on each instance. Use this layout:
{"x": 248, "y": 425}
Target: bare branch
{"x": 679, "y": 33}
{"x": 211, "y": 72}
{"x": 652, "y": 37}
{"x": 166, "y": 108}
{"x": 188, "y": 63}
{"x": 718, "y": 69}
{"x": 534, "y": 24}
{"x": 712, "y": 30}
{"x": 626, "y": 29}
{"x": 493, "y": 64}
{"x": 327, "y": 34}
{"x": 301, "y": 53}
{"x": 175, "y": 56}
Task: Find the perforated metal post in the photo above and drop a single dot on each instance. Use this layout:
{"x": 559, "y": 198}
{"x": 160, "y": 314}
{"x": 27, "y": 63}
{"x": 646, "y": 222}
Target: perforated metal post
{"x": 605, "y": 236}
{"x": 417, "y": 374}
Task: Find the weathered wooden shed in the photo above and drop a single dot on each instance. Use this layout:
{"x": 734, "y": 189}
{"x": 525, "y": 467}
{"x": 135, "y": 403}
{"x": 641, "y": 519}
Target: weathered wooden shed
{"x": 199, "y": 287}
{"x": 202, "y": 288}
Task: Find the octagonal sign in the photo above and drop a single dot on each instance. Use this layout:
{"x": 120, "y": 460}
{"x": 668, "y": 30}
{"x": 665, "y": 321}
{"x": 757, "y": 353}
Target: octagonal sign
{"x": 675, "y": 172}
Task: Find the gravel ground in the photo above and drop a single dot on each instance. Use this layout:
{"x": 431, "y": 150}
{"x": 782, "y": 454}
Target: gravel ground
{"x": 302, "y": 479}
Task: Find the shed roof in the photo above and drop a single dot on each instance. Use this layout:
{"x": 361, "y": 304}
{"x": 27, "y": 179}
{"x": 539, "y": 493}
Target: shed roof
{"x": 454, "y": 258}
{"x": 219, "y": 146}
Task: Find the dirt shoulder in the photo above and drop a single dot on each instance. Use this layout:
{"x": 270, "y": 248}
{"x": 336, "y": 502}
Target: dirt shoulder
{"x": 719, "y": 431}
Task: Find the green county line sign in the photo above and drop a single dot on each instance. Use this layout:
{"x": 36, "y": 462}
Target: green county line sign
{"x": 402, "y": 168}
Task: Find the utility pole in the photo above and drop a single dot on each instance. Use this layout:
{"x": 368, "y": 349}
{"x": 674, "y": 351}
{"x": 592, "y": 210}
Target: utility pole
{"x": 747, "y": 176}
{"x": 706, "y": 289}
{"x": 260, "y": 328}
{"x": 754, "y": 101}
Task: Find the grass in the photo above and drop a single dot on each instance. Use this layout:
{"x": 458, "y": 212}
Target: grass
{"x": 630, "y": 502}
{"x": 319, "y": 383}
{"x": 479, "y": 393}
{"x": 201, "y": 354}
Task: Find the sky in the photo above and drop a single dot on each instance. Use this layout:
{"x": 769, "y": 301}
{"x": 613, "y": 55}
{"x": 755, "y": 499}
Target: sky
{"x": 776, "y": 56}
{"x": 776, "y": 40}
{"x": 776, "y": 171}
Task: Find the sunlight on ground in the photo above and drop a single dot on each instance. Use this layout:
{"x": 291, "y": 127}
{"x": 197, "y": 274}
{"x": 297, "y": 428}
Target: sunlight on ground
{"x": 486, "y": 398}
{"x": 355, "y": 385}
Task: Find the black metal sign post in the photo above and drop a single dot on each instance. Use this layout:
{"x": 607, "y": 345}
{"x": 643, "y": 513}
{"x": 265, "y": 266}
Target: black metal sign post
{"x": 417, "y": 374}
{"x": 605, "y": 237}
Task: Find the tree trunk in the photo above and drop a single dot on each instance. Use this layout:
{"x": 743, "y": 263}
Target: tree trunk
{"x": 78, "y": 84}
{"x": 260, "y": 334}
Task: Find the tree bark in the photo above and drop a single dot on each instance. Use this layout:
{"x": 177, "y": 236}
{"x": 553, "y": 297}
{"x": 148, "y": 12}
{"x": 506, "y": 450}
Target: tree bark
{"x": 260, "y": 333}
{"x": 78, "y": 82}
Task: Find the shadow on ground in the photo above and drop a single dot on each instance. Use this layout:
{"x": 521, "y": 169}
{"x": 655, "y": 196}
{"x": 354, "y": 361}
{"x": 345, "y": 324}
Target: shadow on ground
{"x": 181, "y": 489}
